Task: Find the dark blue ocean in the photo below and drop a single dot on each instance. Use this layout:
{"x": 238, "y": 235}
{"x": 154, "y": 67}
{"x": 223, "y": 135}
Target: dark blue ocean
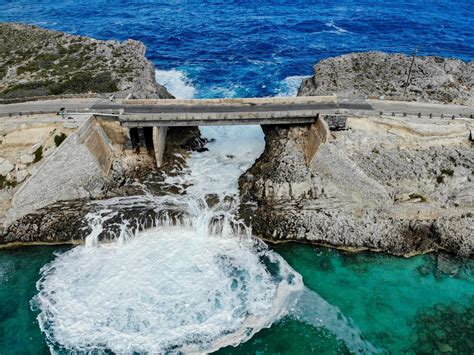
{"x": 256, "y": 48}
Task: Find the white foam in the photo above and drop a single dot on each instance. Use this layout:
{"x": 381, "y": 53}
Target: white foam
{"x": 312, "y": 309}
{"x": 290, "y": 85}
{"x": 176, "y": 83}
{"x": 336, "y": 29}
{"x": 232, "y": 150}
{"x": 166, "y": 289}
{"x": 191, "y": 286}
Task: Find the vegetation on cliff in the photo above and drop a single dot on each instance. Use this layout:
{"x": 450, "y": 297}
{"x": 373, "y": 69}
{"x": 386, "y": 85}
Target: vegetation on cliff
{"x": 40, "y": 62}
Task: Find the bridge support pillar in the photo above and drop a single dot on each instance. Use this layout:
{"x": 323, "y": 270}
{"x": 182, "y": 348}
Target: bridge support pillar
{"x": 128, "y": 139}
{"x": 159, "y": 142}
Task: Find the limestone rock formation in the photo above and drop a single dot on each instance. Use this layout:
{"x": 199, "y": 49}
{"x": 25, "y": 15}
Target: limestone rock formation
{"x": 404, "y": 185}
{"x": 39, "y": 62}
{"x": 380, "y": 74}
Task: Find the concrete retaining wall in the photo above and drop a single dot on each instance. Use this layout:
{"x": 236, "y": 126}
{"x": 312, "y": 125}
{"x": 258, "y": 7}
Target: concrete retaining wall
{"x": 93, "y": 136}
{"x": 318, "y": 134}
{"x": 77, "y": 169}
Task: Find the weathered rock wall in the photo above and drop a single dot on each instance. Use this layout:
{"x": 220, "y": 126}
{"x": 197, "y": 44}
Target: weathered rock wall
{"x": 385, "y": 184}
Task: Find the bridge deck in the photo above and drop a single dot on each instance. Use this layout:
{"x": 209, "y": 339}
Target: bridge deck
{"x": 295, "y": 110}
{"x": 281, "y": 110}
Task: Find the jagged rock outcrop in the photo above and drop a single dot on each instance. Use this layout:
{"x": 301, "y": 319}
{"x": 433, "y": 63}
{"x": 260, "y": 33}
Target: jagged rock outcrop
{"x": 40, "y": 62}
{"x": 404, "y": 185}
{"x": 381, "y": 74}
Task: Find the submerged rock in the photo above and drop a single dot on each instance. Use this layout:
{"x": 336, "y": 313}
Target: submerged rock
{"x": 445, "y": 328}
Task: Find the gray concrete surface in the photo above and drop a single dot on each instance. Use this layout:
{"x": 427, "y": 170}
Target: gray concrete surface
{"x": 71, "y": 172}
{"x": 159, "y": 143}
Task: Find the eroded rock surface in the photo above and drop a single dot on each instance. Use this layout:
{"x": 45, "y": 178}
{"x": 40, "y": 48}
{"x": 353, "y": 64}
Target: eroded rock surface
{"x": 380, "y": 74}
{"x": 403, "y": 185}
{"x": 387, "y": 184}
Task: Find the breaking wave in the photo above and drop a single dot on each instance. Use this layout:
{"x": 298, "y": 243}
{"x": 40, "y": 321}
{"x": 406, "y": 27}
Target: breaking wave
{"x": 196, "y": 281}
{"x": 290, "y": 85}
{"x": 176, "y": 83}
{"x": 165, "y": 289}
{"x": 335, "y": 29}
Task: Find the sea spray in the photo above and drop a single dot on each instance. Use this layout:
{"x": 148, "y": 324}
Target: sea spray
{"x": 194, "y": 283}
{"x": 176, "y": 82}
{"x": 166, "y": 289}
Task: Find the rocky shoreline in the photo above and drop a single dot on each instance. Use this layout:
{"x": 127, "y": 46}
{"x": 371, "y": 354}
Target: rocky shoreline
{"x": 378, "y": 74}
{"x": 402, "y": 185}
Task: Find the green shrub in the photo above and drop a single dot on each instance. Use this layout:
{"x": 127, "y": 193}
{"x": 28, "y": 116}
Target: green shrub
{"x": 59, "y": 138}
{"x": 448, "y": 172}
{"x": 35, "y": 88}
{"x": 4, "y": 183}
{"x": 38, "y": 154}
{"x": 83, "y": 82}
{"x": 79, "y": 83}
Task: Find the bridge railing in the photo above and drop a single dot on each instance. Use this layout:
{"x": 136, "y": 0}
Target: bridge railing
{"x": 234, "y": 101}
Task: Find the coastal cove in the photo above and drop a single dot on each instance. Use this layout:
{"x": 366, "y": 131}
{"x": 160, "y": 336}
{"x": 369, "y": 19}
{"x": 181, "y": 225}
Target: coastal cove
{"x": 206, "y": 177}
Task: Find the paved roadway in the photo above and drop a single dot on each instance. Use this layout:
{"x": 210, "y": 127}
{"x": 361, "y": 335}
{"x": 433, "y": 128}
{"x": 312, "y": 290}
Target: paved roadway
{"x": 239, "y": 111}
{"x": 47, "y": 106}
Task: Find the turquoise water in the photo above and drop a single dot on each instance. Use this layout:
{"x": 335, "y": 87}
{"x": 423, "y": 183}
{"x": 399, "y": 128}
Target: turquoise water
{"x": 19, "y": 271}
{"x": 265, "y": 48}
{"x": 399, "y": 305}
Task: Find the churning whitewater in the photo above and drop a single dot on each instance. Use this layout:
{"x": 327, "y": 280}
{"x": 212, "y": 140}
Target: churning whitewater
{"x": 196, "y": 284}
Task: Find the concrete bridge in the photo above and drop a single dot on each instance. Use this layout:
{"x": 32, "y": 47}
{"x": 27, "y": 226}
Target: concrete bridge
{"x": 143, "y": 123}
{"x": 138, "y": 116}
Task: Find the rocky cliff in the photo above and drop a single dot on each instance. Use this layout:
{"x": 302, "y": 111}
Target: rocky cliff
{"x": 403, "y": 185}
{"x": 40, "y": 62}
{"x": 381, "y": 74}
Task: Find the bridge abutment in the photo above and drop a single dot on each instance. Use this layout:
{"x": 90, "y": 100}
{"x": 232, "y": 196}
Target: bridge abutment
{"x": 318, "y": 134}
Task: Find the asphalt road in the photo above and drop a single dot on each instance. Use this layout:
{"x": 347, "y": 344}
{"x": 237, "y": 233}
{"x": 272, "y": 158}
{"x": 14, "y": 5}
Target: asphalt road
{"x": 338, "y": 105}
{"x": 48, "y": 106}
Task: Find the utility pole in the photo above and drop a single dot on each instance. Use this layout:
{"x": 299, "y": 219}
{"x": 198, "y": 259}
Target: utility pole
{"x": 409, "y": 72}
